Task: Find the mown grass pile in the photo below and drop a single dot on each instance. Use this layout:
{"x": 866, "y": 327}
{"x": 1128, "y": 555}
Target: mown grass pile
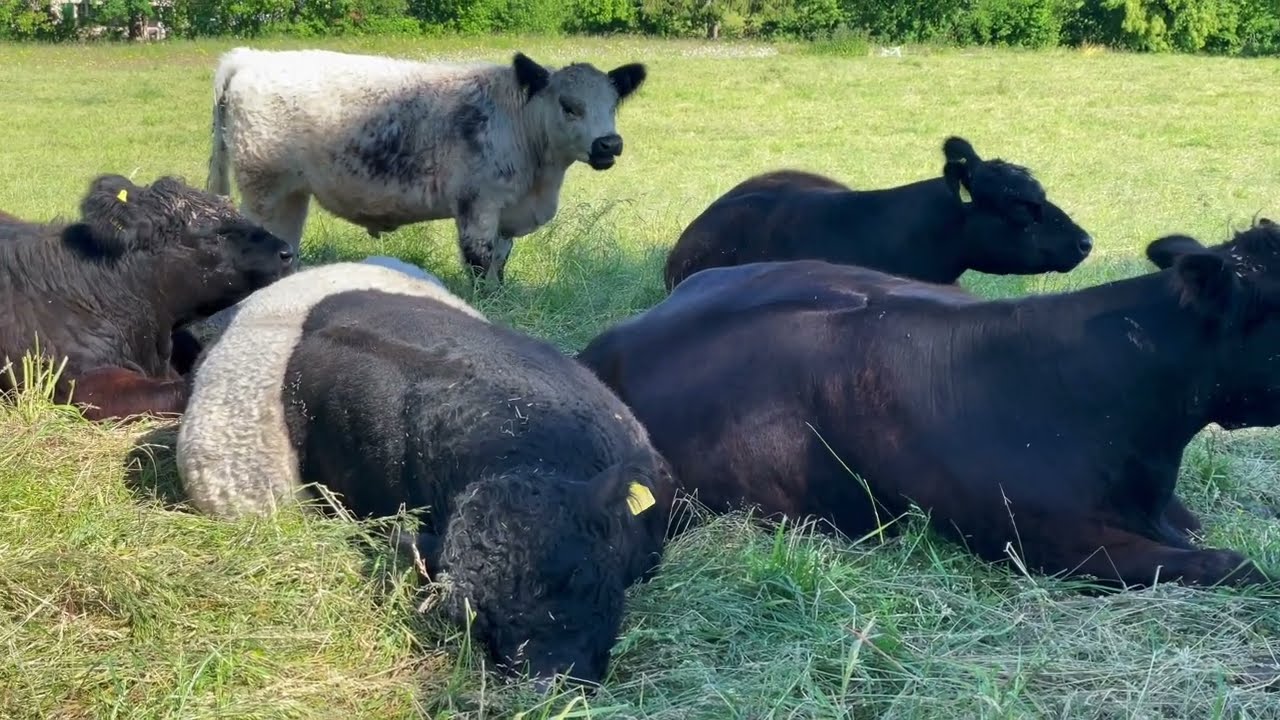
{"x": 115, "y": 601}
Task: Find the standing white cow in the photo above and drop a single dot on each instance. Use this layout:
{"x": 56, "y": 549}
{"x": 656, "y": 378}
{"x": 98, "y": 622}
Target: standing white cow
{"x": 384, "y": 142}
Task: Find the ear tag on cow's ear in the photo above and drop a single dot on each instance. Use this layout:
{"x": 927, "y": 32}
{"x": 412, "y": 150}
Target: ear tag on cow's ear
{"x": 965, "y": 197}
{"x": 639, "y": 499}
{"x": 123, "y": 196}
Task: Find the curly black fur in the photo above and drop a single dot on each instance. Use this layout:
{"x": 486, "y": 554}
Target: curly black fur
{"x": 107, "y": 290}
{"x": 520, "y": 460}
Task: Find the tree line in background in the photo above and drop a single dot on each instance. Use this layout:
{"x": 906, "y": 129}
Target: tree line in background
{"x": 1229, "y": 27}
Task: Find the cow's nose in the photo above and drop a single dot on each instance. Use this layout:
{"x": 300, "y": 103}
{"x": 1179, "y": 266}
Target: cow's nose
{"x": 607, "y": 145}
{"x": 286, "y": 255}
{"x": 1086, "y": 244}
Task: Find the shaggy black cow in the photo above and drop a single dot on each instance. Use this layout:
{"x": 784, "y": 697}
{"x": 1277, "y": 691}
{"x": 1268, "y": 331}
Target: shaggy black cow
{"x": 1049, "y": 426}
{"x": 392, "y": 392}
{"x": 986, "y": 215}
{"x": 105, "y": 292}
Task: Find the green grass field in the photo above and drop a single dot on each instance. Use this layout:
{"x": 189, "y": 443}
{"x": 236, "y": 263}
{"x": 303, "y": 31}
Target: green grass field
{"x": 115, "y": 603}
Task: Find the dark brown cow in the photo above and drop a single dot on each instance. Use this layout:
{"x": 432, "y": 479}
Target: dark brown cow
{"x": 1065, "y": 415}
{"x": 986, "y": 215}
{"x": 107, "y": 291}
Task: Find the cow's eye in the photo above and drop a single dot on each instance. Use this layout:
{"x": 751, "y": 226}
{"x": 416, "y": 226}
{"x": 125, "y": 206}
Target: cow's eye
{"x": 1036, "y": 210}
{"x": 569, "y": 109}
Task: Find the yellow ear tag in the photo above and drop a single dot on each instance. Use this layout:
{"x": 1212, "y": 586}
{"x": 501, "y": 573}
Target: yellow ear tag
{"x": 965, "y": 197}
{"x": 640, "y": 499}
{"x": 123, "y": 196}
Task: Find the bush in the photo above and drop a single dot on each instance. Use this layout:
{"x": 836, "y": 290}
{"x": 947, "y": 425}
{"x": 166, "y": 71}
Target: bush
{"x": 805, "y": 20}
{"x": 474, "y": 17}
{"x": 904, "y": 20}
{"x": 1228, "y": 27}
{"x": 1021, "y": 23}
{"x": 1259, "y": 30}
{"x": 1161, "y": 25}
{"x": 599, "y": 16}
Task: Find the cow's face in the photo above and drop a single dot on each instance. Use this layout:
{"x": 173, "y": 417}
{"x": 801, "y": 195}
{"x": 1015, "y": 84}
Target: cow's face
{"x": 235, "y": 257}
{"x": 577, "y": 105}
{"x": 540, "y": 566}
{"x": 1010, "y": 226}
{"x": 1235, "y": 289}
{"x": 216, "y": 255}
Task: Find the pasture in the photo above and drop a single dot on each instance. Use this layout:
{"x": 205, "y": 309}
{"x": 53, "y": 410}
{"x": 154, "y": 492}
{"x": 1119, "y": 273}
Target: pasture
{"x": 116, "y": 603}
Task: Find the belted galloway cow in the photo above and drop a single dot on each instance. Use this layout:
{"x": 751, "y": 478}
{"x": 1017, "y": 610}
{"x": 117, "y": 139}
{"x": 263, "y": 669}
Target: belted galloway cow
{"x": 384, "y": 142}
{"x": 541, "y": 497}
{"x": 1051, "y": 427}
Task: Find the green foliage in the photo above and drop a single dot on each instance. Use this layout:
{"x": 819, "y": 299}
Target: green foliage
{"x": 599, "y": 16}
{"x": 688, "y": 17}
{"x": 489, "y": 16}
{"x": 1259, "y": 29}
{"x": 905, "y": 20}
{"x": 1225, "y": 27}
{"x": 18, "y": 21}
{"x": 1020, "y": 23}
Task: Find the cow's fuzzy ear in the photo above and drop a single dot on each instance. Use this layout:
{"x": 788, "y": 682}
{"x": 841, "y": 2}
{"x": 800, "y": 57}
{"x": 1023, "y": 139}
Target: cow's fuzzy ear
{"x": 623, "y": 485}
{"x": 1162, "y": 252}
{"x": 627, "y": 79}
{"x": 1207, "y": 283}
{"x": 112, "y": 219}
{"x": 530, "y": 76}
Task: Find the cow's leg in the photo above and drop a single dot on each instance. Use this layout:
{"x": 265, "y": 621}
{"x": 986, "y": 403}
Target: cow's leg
{"x": 501, "y": 253}
{"x": 274, "y": 206}
{"x": 479, "y": 241}
{"x": 1114, "y": 555}
{"x": 186, "y": 348}
{"x": 116, "y": 392}
{"x": 1180, "y": 517}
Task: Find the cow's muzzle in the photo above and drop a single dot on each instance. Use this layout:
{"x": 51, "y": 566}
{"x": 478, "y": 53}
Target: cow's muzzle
{"x": 604, "y": 150}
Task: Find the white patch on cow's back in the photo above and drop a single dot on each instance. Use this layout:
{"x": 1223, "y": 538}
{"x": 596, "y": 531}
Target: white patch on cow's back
{"x": 234, "y": 456}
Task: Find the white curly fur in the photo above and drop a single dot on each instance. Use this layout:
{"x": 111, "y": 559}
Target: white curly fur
{"x": 234, "y": 456}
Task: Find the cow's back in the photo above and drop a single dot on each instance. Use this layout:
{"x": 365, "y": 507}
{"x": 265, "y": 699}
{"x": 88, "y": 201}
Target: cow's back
{"x": 744, "y": 374}
{"x": 233, "y": 449}
{"x": 397, "y": 400}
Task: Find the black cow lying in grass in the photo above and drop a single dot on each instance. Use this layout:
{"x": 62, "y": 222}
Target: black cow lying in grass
{"x": 106, "y": 292}
{"x": 1064, "y": 414}
{"x": 984, "y": 215}
{"x": 392, "y": 392}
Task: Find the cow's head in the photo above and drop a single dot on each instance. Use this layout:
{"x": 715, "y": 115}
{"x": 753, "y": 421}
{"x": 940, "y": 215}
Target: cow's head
{"x": 1010, "y": 226}
{"x": 1234, "y": 289}
{"x": 217, "y": 257}
{"x": 577, "y": 105}
{"x": 543, "y": 562}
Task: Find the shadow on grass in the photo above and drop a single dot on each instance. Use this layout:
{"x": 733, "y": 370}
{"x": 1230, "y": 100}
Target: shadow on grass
{"x": 151, "y": 470}
{"x": 151, "y": 475}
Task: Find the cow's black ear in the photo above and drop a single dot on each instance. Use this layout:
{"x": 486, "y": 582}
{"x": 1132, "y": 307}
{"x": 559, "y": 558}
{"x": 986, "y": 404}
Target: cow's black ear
{"x": 958, "y": 177}
{"x": 530, "y": 76}
{"x": 628, "y": 78}
{"x": 962, "y": 163}
{"x": 1164, "y": 251}
{"x": 115, "y": 222}
{"x": 626, "y": 484}
{"x": 1207, "y": 283}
